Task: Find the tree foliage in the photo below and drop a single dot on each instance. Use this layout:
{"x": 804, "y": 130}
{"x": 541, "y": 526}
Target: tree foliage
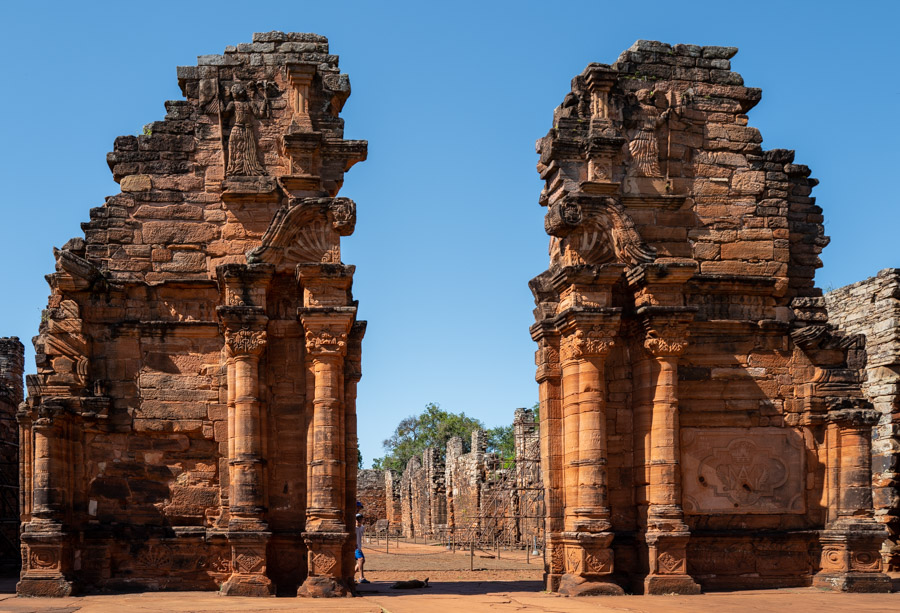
{"x": 432, "y": 428}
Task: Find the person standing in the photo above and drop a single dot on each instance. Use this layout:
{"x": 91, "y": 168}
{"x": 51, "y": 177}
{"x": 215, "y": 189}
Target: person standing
{"x": 360, "y": 556}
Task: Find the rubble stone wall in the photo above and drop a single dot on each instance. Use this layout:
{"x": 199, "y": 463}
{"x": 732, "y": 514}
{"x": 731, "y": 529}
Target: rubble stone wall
{"x": 872, "y": 308}
{"x": 370, "y": 491}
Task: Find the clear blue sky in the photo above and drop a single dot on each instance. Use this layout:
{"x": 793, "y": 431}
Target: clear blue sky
{"x": 451, "y": 97}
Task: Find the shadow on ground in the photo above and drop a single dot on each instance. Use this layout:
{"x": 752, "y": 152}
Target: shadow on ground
{"x": 456, "y": 588}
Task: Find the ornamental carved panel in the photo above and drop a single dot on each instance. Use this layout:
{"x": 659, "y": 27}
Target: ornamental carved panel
{"x": 743, "y": 470}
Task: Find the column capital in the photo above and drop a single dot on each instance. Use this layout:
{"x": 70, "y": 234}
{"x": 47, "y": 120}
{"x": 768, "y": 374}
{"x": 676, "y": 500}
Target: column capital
{"x": 589, "y": 341}
{"x": 245, "y": 341}
{"x": 546, "y": 358}
{"x": 327, "y": 330}
{"x": 666, "y": 329}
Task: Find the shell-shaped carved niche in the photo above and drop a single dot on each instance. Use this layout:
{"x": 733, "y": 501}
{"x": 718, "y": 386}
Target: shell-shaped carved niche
{"x": 306, "y": 231}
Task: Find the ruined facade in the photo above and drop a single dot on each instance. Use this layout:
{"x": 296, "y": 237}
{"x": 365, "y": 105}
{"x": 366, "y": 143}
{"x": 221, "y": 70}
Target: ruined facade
{"x": 475, "y": 495}
{"x": 370, "y": 492}
{"x": 872, "y": 308}
{"x": 12, "y": 363}
{"x": 192, "y": 421}
{"x": 702, "y": 424}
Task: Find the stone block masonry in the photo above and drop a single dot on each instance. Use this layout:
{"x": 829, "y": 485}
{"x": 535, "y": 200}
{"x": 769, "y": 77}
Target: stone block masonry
{"x": 872, "y": 308}
{"x": 192, "y": 421}
{"x": 12, "y": 362}
{"x": 702, "y": 422}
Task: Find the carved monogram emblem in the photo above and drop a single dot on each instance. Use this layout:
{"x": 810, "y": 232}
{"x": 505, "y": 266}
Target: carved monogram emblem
{"x": 596, "y": 562}
{"x": 323, "y": 563}
{"x": 248, "y": 563}
{"x": 669, "y": 564}
{"x": 573, "y": 560}
{"x": 746, "y": 473}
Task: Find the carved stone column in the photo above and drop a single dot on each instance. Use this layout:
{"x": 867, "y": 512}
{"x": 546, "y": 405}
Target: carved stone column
{"x": 587, "y": 539}
{"x": 46, "y": 552}
{"x": 327, "y": 330}
{"x": 666, "y": 533}
{"x": 248, "y": 535}
{"x": 851, "y": 544}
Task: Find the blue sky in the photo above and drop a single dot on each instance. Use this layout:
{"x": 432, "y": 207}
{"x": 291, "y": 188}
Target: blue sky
{"x": 451, "y": 98}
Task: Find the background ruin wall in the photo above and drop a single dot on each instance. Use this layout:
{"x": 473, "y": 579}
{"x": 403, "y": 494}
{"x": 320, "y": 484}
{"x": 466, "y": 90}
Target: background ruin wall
{"x": 872, "y": 308}
{"x": 12, "y": 363}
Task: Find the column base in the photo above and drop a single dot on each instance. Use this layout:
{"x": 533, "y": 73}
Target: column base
{"x": 325, "y": 551}
{"x": 50, "y": 587}
{"x": 853, "y": 582}
{"x": 322, "y": 587}
{"x": 667, "y": 541}
{"x": 575, "y": 585}
{"x": 258, "y": 586}
{"x": 248, "y": 566}
{"x": 551, "y": 581}
{"x": 670, "y": 584}
{"x": 851, "y": 557}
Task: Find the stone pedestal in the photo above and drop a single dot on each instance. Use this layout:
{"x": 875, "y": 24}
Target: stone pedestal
{"x": 851, "y": 545}
{"x": 248, "y": 565}
{"x": 324, "y": 563}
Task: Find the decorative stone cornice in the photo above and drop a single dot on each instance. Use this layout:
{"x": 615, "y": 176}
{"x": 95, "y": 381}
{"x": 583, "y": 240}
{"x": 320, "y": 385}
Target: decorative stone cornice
{"x": 856, "y": 417}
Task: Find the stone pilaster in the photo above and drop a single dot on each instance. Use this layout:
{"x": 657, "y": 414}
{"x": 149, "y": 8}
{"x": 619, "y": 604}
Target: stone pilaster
{"x": 245, "y": 341}
{"x": 549, "y": 380}
{"x": 244, "y": 321}
{"x": 851, "y": 543}
{"x": 327, "y": 530}
{"x": 46, "y": 547}
{"x": 659, "y": 295}
{"x": 588, "y": 536}
{"x": 666, "y": 535}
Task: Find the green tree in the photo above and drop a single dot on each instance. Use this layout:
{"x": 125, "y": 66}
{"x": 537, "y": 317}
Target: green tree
{"x": 502, "y": 441}
{"x": 432, "y": 428}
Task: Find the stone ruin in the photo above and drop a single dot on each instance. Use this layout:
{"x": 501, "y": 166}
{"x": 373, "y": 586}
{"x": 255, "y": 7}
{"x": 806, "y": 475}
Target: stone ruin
{"x": 872, "y": 308}
{"x": 192, "y": 422}
{"x": 12, "y": 364}
{"x": 472, "y": 496}
{"x": 703, "y": 424}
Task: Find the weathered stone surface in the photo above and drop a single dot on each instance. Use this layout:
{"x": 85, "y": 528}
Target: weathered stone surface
{"x": 192, "y": 422}
{"x": 872, "y": 308}
{"x": 693, "y": 392}
{"x": 12, "y": 363}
